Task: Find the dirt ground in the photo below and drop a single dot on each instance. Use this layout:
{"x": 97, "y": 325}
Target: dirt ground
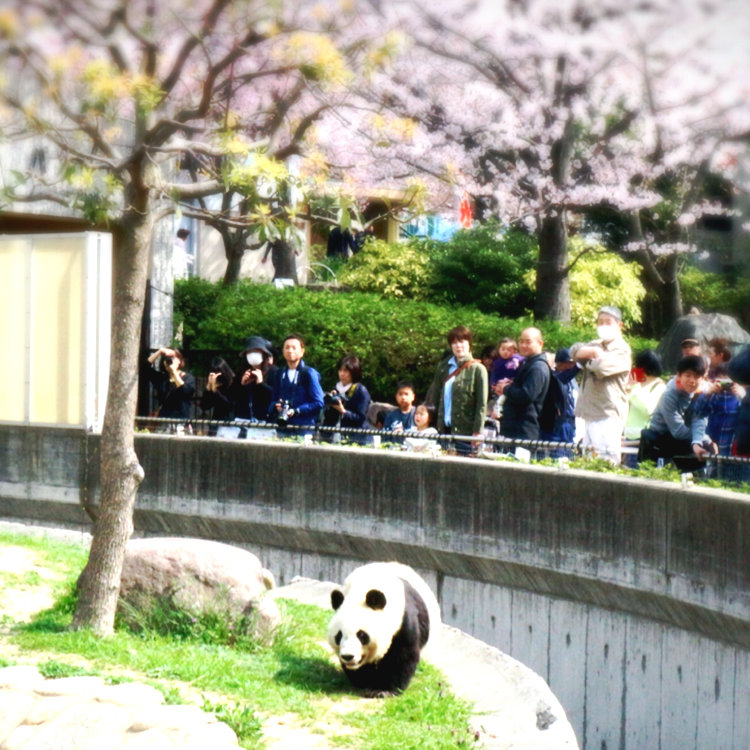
{"x": 21, "y": 602}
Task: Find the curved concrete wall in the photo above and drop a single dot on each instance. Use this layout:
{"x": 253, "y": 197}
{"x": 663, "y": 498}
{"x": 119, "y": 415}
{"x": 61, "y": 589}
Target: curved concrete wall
{"x": 630, "y": 597}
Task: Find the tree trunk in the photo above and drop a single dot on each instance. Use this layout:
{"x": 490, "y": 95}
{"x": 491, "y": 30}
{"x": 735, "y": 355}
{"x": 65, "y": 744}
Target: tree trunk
{"x": 121, "y": 473}
{"x": 234, "y": 248}
{"x": 660, "y": 277}
{"x": 665, "y": 298}
{"x": 552, "y": 281}
{"x": 284, "y": 259}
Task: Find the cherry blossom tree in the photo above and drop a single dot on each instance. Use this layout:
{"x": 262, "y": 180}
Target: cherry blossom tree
{"x": 543, "y": 110}
{"x": 123, "y": 92}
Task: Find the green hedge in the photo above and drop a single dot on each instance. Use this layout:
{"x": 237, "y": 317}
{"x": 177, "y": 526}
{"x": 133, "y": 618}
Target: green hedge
{"x": 394, "y": 339}
{"x": 715, "y": 292}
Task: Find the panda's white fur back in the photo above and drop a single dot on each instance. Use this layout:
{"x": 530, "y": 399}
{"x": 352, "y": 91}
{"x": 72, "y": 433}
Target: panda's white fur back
{"x": 387, "y": 577}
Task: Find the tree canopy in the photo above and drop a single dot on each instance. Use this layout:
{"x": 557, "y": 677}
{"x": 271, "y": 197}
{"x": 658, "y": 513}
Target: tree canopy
{"x": 544, "y": 110}
{"x": 121, "y": 95}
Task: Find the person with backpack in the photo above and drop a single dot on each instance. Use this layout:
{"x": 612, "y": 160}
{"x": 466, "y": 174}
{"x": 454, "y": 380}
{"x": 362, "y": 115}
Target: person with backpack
{"x": 603, "y": 399}
{"x": 558, "y": 421}
{"x": 525, "y": 394}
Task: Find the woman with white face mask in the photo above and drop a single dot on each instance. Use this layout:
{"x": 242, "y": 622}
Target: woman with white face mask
{"x": 603, "y": 396}
{"x": 255, "y": 383}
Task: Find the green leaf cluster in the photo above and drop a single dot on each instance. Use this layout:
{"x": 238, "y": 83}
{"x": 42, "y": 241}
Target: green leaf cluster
{"x": 602, "y": 278}
{"x": 485, "y": 267}
{"x": 391, "y": 270}
{"x": 394, "y": 338}
{"x": 715, "y": 292}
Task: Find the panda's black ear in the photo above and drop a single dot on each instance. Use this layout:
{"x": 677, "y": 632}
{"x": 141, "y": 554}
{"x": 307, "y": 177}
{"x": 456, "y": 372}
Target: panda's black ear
{"x": 375, "y": 599}
{"x": 336, "y": 598}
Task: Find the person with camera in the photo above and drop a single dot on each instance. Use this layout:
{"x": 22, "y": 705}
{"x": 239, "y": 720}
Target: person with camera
{"x": 174, "y": 387}
{"x": 347, "y": 404}
{"x": 297, "y": 396}
{"x": 253, "y": 388}
{"x": 217, "y": 398}
{"x": 721, "y": 403}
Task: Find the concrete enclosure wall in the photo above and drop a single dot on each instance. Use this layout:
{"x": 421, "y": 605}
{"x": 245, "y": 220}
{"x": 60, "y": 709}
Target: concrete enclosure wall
{"x": 631, "y": 598}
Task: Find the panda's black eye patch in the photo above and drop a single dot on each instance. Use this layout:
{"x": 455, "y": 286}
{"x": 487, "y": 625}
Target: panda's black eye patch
{"x": 338, "y": 638}
{"x": 364, "y": 639}
{"x": 375, "y": 599}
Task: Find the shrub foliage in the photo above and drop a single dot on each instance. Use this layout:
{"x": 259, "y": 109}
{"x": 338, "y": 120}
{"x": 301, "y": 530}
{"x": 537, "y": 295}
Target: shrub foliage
{"x": 391, "y": 270}
{"x": 394, "y": 338}
{"x": 714, "y": 292}
{"x": 484, "y": 267}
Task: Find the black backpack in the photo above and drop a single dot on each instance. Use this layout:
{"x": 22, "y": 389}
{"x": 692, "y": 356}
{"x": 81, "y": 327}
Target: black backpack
{"x": 553, "y": 406}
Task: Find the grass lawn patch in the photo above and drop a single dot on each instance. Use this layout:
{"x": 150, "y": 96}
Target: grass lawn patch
{"x": 245, "y": 684}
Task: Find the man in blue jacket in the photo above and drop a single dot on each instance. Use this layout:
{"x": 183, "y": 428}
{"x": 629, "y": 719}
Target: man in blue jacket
{"x": 297, "y": 394}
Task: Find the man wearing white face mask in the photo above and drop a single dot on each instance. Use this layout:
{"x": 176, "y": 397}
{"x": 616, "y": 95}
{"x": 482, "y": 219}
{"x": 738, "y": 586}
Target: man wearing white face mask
{"x": 603, "y": 397}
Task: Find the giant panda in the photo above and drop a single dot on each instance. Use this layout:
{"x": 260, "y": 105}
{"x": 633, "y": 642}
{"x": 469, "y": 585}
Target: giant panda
{"x": 384, "y": 615}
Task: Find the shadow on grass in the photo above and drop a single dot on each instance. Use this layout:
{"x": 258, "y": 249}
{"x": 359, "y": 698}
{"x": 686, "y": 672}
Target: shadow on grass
{"x": 56, "y": 619}
{"x": 312, "y": 674}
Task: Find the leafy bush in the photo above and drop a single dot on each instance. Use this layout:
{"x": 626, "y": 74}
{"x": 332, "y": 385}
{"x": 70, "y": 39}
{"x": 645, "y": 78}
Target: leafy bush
{"x": 194, "y": 298}
{"x": 599, "y": 279}
{"x": 391, "y": 270}
{"x": 484, "y": 267}
{"x": 395, "y": 339}
{"x": 714, "y": 292}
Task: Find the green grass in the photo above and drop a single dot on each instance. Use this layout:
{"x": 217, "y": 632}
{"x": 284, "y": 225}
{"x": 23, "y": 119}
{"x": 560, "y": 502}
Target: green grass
{"x": 53, "y": 669}
{"x": 241, "y": 681}
{"x": 645, "y": 470}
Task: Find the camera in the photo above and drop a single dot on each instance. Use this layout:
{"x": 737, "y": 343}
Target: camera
{"x": 332, "y": 398}
{"x": 167, "y": 361}
{"x": 726, "y": 385}
{"x": 283, "y": 418}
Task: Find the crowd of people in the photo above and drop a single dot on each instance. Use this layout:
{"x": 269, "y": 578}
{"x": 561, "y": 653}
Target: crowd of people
{"x": 592, "y": 394}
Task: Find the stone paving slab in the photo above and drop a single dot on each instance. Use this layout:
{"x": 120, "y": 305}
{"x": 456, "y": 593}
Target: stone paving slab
{"x": 84, "y": 713}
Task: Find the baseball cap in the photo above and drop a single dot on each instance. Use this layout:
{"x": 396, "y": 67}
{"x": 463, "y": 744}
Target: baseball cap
{"x": 611, "y": 310}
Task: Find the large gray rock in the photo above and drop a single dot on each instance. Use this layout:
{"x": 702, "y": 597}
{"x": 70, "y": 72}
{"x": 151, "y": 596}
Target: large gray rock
{"x": 198, "y": 575}
{"x": 701, "y": 326}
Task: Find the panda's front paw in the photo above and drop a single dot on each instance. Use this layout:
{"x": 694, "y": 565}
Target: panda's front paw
{"x": 379, "y": 693}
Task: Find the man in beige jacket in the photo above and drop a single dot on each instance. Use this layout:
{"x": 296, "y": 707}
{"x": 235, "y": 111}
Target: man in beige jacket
{"x": 603, "y": 398}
